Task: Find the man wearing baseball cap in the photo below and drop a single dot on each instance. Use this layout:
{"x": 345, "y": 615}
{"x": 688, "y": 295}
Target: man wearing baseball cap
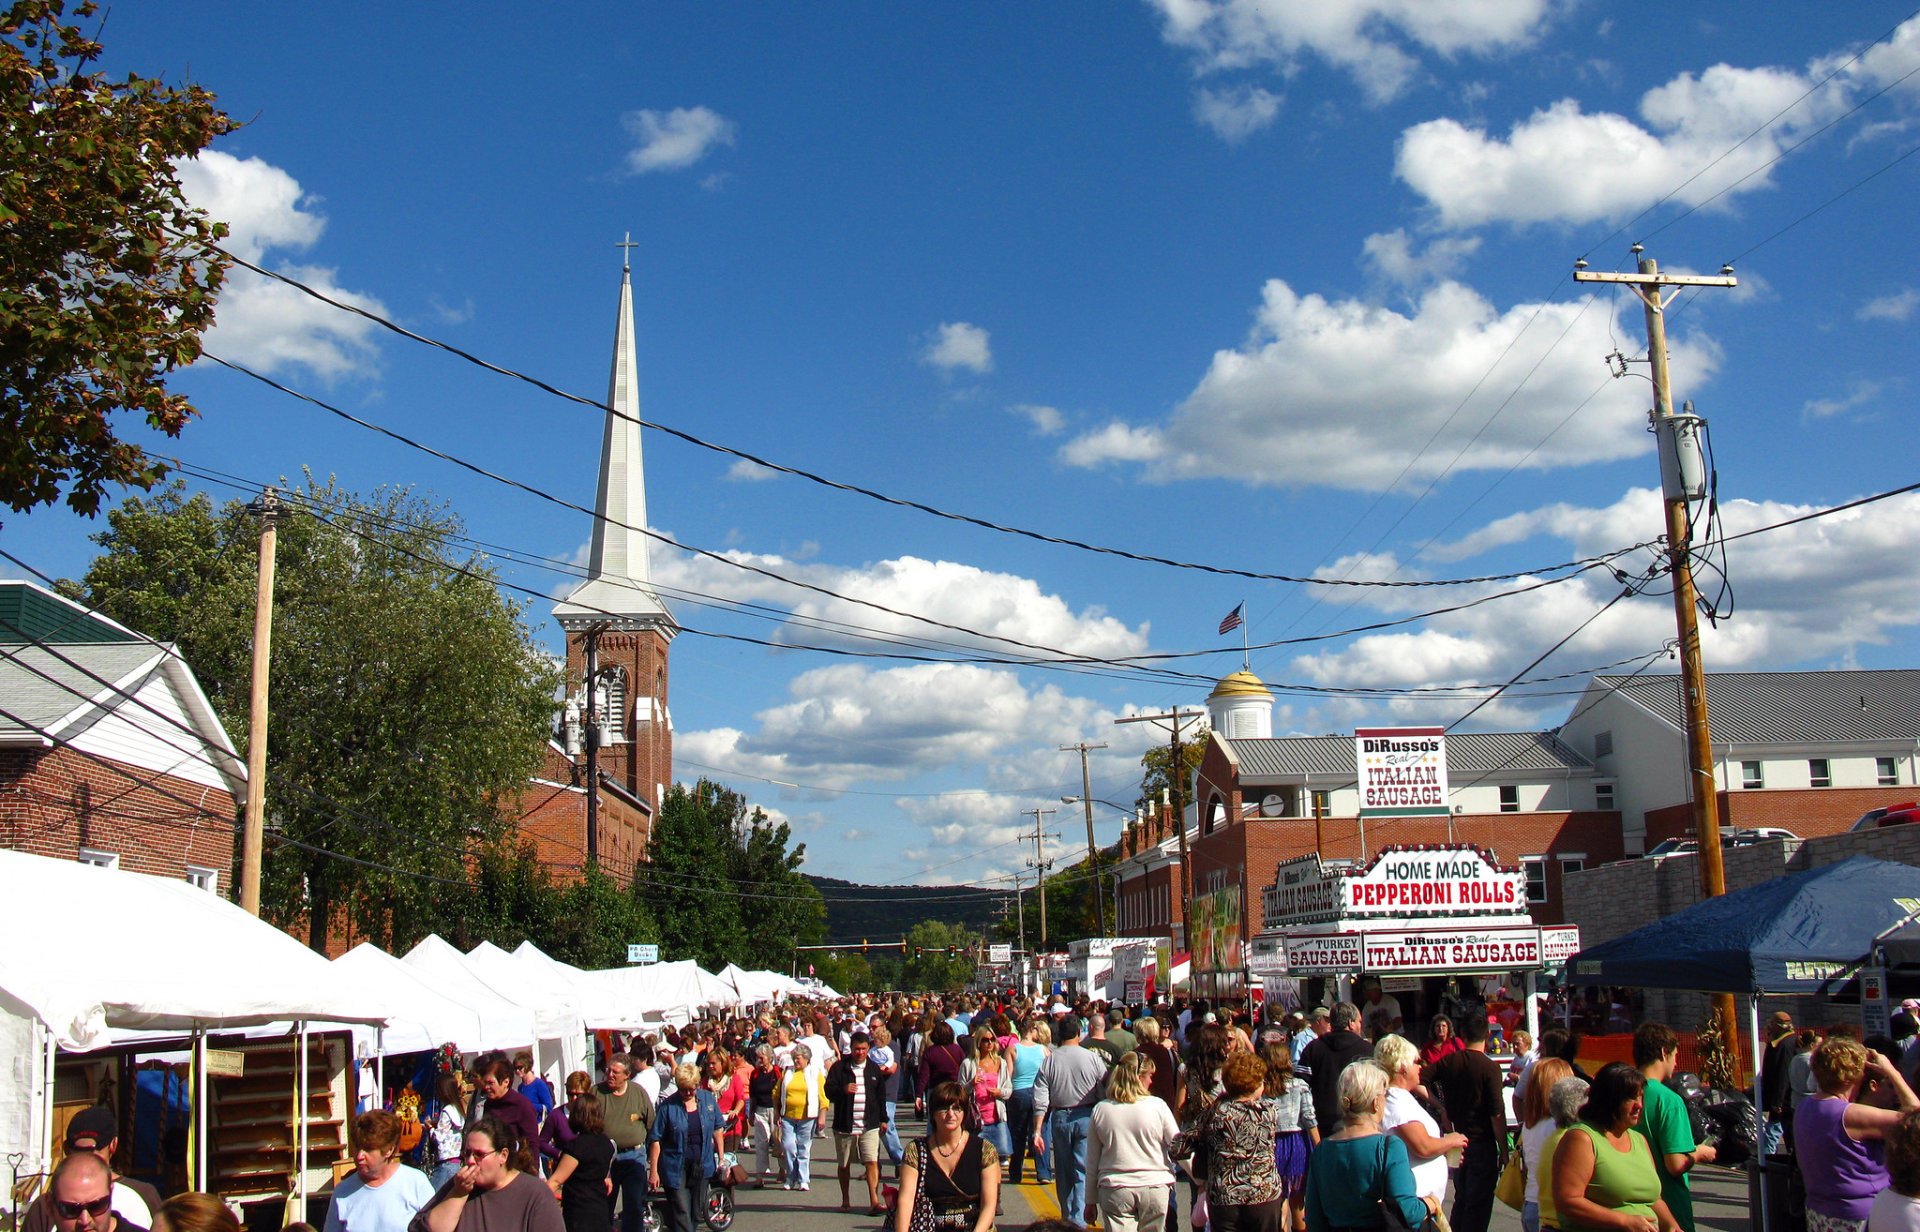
{"x": 94, "y": 1131}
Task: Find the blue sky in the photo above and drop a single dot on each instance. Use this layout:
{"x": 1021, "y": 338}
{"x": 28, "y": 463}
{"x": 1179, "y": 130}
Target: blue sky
{"x": 1278, "y": 286}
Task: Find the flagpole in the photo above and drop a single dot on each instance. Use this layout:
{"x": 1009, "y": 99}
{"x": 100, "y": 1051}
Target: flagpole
{"x": 1246, "y": 661}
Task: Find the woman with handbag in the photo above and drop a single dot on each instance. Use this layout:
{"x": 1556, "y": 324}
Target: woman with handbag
{"x": 1359, "y": 1176}
{"x": 1129, "y": 1138}
{"x": 991, "y": 1082}
{"x": 1298, "y": 1131}
{"x": 950, "y": 1181}
{"x": 1237, "y": 1134}
{"x": 1408, "y": 1118}
{"x": 1536, "y": 1126}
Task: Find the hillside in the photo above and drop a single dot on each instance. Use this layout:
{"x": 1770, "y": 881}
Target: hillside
{"x": 892, "y": 910}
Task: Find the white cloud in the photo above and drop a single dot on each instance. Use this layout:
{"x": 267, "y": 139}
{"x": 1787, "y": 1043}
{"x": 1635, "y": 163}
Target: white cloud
{"x": 1046, "y": 420}
{"x": 1374, "y": 40}
{"x": 994, "y": 604}
{"x": 1564, "y": 165}
{"x": 955, "y": 345}
{"x": 1237, "y": 112}
{"x": 1898, "y": 306}
{"x": 676, "y": 139}
{"x": 1858, "y": 394}
{"x": 262, "y": 323}
{"x": 743, "y": 471}
{"x": 1392, "y": 257}
{"x": 1809, "y": 594}
{"x": 1346, "y": 394}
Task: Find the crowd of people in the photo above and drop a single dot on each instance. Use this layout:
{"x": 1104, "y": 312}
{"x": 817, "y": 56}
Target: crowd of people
{"x": 1335, "y": 1120}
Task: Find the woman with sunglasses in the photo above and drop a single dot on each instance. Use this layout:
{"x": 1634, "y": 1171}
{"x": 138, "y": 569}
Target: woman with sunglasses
{"x": 685, "y": 1147}
{"x": 494, "y": 1190}
{"x": 953, "y": 1173}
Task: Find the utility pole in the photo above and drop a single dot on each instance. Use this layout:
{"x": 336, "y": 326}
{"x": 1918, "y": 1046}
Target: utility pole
{"x": 1679, "y": 444}
{"x": 1020, "y": 903}
{"x": 1040, "y": 864}
{"x": 1093, "y": 849}
{"x": 592, "y": 649}
{"x": 253, "y": 835}
{"x": 1177, "y": 718}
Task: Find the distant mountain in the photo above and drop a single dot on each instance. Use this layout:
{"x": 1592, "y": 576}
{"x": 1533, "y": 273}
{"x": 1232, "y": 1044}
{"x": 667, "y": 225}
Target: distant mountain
{"x": 888, "y": 912}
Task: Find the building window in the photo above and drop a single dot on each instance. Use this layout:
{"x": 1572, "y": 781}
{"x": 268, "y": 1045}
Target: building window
{"x": 1884, "y": 772}
{"x": 612, "y": 715}
{"x": 1536, "y": 871}
{"x": 1510, "y": 799}
{"x": 1819, "y": 772}
{"x": 1571, "y": 864}
{"x": 1323, "y": 804}
{"x": 1603, "y": 744}
{"x": 98, "y": 858}
{"x": 1750, "y": 776}
{"x": 1603, "y": 796}
{"x": 207, "y": 879}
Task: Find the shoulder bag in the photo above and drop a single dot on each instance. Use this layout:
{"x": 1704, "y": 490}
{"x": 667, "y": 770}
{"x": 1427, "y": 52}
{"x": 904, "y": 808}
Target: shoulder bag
{"x": 1512, "y": 1186}
{"x": 1390, "y": 1217}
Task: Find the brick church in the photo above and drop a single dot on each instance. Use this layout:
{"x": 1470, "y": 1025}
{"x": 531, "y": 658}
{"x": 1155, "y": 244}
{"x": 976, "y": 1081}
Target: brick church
{"x": 618, "y": 633}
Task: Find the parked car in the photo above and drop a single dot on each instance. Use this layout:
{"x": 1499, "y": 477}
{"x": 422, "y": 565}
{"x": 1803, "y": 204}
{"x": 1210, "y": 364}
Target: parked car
{"x": 1728, "y": 839}
{"x": 1890, "y": 815}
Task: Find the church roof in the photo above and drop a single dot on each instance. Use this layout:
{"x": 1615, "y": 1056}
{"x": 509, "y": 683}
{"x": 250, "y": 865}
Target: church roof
{"x": 619, "y": 589}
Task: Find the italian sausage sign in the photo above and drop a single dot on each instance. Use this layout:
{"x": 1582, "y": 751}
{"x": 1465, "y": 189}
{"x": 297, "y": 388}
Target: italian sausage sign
{"x": 1403, "y": 771}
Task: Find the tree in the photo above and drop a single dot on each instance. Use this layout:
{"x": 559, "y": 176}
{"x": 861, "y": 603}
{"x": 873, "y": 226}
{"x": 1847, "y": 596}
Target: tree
{"x": 513, "y": 898}
{"x": 940, "y": 957}
{"x": 408, "y": 699}
{"x": 845, "y": 971}
{"x": 1155, "y": 761}
{"x": 106, "y": 277}
{"x": 722, "y": 884}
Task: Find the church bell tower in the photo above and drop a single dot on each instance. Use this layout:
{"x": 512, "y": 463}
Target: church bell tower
{"x": 614, "y": 618}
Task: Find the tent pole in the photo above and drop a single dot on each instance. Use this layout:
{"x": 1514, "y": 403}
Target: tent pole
{"x": 1759, "y": 1108}
{"x": 1533, "y": 1007}
{"x": 201, "y": 1179}
{"x": 49, "y": 1058}
{"x": 302, "y": 1098}
{"x": 379, "y": 1067}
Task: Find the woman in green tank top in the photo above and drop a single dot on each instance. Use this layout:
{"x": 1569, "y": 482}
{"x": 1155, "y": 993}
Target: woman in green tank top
{"x": 1604, "y": 1178}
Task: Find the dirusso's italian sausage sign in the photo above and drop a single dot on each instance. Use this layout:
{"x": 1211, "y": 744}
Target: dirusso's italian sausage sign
{"x": 1446, "y": 949}
{"x": 1402, "y": 770}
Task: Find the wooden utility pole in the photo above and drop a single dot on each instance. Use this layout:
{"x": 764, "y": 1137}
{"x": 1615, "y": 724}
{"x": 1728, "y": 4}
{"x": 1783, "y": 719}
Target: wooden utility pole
{"x": 1040, "y": 865}
{"x": 1093, "y": 848}
{"x": 1651, "y": 286}
{"x": 591, "y": 647}
{"x": 253, "y": 834}
{"x": 1177, "y": 718}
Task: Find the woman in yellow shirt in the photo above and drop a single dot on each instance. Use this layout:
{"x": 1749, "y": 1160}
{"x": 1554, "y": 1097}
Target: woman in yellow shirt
{"x": 803, "y": 1113}
{"x": 1563, "y": 1106}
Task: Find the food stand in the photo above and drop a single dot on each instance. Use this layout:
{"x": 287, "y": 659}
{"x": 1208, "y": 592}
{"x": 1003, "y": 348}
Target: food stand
{"x": 1431, "y": 913}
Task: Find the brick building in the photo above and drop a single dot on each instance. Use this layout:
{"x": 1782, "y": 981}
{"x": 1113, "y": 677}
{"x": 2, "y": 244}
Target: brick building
{"x": 109, "y": 751}
{"x": 618, "y": 633}
{"x": 1805, "y": 751}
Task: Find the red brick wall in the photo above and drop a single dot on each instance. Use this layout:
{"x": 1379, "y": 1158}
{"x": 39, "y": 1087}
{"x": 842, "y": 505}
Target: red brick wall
{"x": 1810, "y": 812}
{"x": 647, "y": 756}
{"x": 555, "y": 818}
{"x": 55, "y": 801}
{"x": 1162, "y": 885}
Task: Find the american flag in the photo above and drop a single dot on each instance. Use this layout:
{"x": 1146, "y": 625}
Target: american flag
{"x": 1232, "y": 619}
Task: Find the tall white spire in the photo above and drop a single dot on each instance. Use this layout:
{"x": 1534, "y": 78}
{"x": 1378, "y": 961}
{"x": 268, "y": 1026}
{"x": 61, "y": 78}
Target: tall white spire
{"x": 618, "y": 581}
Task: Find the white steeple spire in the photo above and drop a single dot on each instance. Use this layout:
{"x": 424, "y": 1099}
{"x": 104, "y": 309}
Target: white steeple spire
{"x": 618, "y": 581}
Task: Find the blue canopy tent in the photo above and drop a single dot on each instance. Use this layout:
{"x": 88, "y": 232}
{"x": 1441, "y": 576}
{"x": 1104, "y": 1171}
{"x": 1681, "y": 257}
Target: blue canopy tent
{"x": 1804, "y": 933}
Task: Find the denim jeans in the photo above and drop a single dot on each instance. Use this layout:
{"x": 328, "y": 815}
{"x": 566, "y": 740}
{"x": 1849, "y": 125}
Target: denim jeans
{"x": 1069, "y": 1143}
{"x": 1020, "y": 1129}
{"x": 996, "y": 1133}
{"x": 442, "y": 1173}
{"x": 796, "y": 1147}
{"x": 890, "y": 1138}
{"x": 629, "y": 1176}
{"x": 1530, "y": 1217}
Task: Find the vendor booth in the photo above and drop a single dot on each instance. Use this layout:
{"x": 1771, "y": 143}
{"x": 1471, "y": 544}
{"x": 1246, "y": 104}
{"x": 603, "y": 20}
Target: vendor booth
{"x": 96, "y": 955}
{"x": 1807, "y": 933}
{"x": 1432, "y": 926}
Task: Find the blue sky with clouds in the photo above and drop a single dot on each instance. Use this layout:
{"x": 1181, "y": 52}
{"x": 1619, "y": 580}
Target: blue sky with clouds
{"x": 1280, "y": 286}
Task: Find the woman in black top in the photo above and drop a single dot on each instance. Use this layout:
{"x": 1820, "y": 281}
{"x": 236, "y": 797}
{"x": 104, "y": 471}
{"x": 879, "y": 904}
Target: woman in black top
{"x": 953, "y": 1174}
{"x": 582, "y": 1180}
{"x": 940, "y": 1062}
{"x": 763, "y": 1113}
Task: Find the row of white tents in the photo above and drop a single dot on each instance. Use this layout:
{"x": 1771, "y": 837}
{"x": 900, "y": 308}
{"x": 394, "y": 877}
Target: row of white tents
{"x": 96, "y": 958}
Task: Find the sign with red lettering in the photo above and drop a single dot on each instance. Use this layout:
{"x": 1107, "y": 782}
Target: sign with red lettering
{"x": 1451, "y": 949}
{"x": 1558, "y": 943}
{"x": 1326, "y": 954}
{"x": 1403, "y": 771}
{"x": 1404, "y": 883}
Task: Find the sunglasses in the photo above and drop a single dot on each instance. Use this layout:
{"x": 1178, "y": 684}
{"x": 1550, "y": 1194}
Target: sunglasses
{"x": 97, "y": 1208}
{"x": 950, "y": 1108}
{"x": 474, "y": 1157}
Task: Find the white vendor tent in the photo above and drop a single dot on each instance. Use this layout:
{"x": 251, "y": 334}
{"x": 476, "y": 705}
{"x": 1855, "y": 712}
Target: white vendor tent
{"x": 418, "y": 1017}
{"x": 157, "y": 955}
{"x": 659, "y": 992}
{"x": 560, "y": 1046}
{"x": 762, "y": 987}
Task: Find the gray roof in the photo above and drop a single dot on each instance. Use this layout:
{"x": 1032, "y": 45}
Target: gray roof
{"x": 1791, "y": 707}
{"x": 1482, "y": 752}
{"x": 38, "y": 690}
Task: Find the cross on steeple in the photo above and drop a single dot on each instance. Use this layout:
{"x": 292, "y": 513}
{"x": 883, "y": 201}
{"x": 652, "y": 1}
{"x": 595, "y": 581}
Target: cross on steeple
{"x": 624, "y": 244}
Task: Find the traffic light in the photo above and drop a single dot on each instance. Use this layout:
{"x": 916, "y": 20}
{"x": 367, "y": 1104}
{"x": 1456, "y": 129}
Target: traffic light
{"x": 903, "y": 947}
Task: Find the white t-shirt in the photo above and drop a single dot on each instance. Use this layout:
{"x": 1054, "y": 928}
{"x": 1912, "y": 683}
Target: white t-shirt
{"x": 1894, "y": 1212}
{"x": 387, "y": 1207}
{"x": 648, "y": 1080}
{"x": 1533, "y": 1140}
{"x": 821, "y": 1053}
{"x": 1429, "y": 1176}
{"x": 859, "y": 1097}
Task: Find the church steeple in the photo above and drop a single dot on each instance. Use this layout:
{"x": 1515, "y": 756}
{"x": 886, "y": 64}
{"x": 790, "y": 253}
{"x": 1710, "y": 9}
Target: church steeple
{"x": 618, "y": 579}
